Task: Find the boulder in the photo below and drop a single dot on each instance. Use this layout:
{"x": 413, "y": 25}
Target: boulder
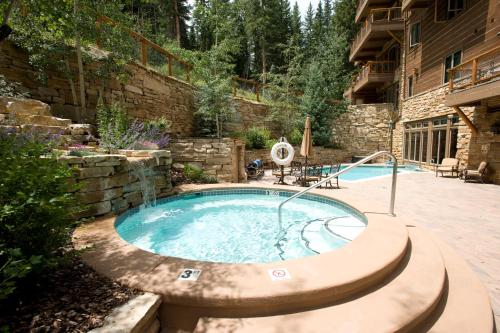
{"x": 23, "y": 106}
{"x": 178, "y": 167}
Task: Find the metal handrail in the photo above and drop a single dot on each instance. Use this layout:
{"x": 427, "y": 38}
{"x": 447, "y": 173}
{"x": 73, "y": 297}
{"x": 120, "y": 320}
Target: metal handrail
{"x": 352, "y": 166}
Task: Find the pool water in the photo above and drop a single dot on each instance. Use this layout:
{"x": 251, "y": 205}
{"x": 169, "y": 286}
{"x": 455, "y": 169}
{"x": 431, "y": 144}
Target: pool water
{"x": 241, "y": 226}
{"x": 364, "y": 172}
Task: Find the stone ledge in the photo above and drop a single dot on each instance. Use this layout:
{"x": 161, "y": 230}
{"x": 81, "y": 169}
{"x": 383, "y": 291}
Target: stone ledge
{"x": 137, "y": 315}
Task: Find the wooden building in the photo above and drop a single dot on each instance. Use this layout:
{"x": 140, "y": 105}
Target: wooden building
{"x": 447, "y": 77}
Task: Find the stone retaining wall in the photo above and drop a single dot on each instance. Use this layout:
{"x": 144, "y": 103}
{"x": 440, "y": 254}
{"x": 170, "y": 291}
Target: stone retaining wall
{"x": 111, "y": 184}
{"x": 363, "y": 129}
{"x": 222, "y": 158}
{"x": 146, "y": 95}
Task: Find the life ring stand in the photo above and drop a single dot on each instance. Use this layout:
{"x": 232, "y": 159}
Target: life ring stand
{"x": 282, "y": 161}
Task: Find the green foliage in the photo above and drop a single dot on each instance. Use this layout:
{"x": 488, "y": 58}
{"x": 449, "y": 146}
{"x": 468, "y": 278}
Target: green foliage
{"x": 112, "y": 126}
{"x": 270, "y": 143}
{"x": 116, "y": 131}
{"x": 47, "y": 30}
{"x": 11, "y": 89}
{"x": 36, "y": 205}
{"x": 197, "y": 175}
{"x": 215, "y": 105}
{"x": 257, "y": 137}
{"x": 295, "y": 137}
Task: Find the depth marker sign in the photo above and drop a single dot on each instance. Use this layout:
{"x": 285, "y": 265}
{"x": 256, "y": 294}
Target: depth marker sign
{"x": 189, "y": 274}
{"x": 279, "y": 274}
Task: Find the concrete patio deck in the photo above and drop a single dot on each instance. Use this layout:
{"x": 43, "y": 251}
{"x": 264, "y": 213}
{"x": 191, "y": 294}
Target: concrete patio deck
{"x": 465, "y": 215}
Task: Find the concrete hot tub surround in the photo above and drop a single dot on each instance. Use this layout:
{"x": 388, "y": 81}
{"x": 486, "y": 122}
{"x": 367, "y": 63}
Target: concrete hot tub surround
{"x": 391, "y": 278}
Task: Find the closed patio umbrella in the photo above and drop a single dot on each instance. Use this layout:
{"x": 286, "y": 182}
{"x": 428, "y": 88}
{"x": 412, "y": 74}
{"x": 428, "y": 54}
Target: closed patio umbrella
{"x": 306, "y": 148}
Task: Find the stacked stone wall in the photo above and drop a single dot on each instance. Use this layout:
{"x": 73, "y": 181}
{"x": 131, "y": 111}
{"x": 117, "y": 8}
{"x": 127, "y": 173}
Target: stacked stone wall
{"x": 364, "y": 128}
{"x": 214, "y": 156}
{"x": 146, "y": 95}
{"x": 108, "y": 183}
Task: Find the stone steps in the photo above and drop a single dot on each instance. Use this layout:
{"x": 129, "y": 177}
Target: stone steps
{"x": 420, "y": 296}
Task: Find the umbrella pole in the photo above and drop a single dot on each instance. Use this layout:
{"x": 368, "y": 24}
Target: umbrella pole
{"x": 304, "y": 179}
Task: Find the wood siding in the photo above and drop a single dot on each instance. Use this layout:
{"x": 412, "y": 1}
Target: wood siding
{"x": 473, "y": 31}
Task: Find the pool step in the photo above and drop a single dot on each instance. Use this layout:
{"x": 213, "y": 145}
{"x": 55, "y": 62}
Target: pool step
{"x": 400, "y": 303}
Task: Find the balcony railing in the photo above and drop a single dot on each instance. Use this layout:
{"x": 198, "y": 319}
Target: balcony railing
{"x": 478, "y": 70}
{"x": 373, "y": 67}
{"x": 376, "y": 16}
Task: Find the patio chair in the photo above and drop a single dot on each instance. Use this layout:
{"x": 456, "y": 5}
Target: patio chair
{"x": 447, "y": 165}
{"x": 330, "y": 171}
{"x": 296, "y": 171}
{"x": 313, "y": 173}
{"x": 476, "y": 174}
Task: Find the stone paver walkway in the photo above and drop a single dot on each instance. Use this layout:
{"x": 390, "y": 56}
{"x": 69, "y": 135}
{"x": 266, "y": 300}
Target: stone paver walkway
{"x": 465, "y": 215}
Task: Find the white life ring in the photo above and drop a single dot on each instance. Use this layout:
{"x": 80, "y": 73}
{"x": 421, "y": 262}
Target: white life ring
{"x": 282, "y": 161}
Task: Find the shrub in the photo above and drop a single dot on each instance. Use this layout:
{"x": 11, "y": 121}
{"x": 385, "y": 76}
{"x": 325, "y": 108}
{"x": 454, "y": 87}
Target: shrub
{"x": 35, "y": 207}
{"x": 295, "y": 137}
{"x": 270, "y": 143}
{"x": 117, "y": 132}
{"x": 196, "y": 175}
{"x": 257, "y": 138}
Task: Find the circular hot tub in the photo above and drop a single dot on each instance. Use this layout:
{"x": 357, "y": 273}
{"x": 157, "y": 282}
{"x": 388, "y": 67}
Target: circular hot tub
{"x": 241, "y": 226}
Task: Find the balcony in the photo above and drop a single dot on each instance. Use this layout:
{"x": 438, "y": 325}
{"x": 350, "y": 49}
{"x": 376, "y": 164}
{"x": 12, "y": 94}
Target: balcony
{"x": 374, "y": 74}
{"x": 365, "y": 6}
{"x": 376, "y": 31}
{"x": 414, "y": 4}
{"x": 476, "y": 80}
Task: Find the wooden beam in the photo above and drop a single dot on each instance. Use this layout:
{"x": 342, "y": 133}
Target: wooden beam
{"x": 395, "y": 37}
{"x": 466, "y": 120}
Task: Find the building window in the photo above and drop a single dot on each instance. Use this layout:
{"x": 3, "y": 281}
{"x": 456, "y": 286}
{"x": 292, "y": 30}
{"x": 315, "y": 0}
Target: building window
{"x": 428, "y": 144}
{"x": 455, "y": 7}
{"x": 451, "y": 61}
{"x": 414, "y": 34}
{"x": 410, "y": 86}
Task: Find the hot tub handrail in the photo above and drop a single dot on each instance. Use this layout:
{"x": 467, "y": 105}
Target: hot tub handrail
{"x": 352, "y": 166}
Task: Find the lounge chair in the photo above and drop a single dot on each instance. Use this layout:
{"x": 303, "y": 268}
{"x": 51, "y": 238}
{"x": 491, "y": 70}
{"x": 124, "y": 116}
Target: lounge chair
{"x": 447, "y": 165}
{"x": 476, "y": 174}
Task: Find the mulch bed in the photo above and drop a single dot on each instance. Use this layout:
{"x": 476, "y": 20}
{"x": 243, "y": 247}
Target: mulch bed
{"x": 72, "y": 298}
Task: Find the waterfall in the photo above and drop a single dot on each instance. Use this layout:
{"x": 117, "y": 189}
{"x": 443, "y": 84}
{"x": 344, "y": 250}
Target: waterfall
{"x": 147, "y": 185}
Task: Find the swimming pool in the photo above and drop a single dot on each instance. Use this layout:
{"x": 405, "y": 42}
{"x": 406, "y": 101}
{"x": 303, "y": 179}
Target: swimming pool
{"x": 364, "y": 172}
{"x": 241, "y": 226}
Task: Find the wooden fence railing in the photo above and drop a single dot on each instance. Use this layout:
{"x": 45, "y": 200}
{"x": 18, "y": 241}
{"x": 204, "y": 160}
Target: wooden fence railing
{"x": 477, "y": 70}
{"x": 250, "y": 88}
{"x": 376, "y": 16}
{"x": 175, "y": 66}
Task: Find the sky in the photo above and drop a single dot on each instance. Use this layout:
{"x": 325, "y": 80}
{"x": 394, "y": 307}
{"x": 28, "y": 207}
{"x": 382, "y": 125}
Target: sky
{"x": 303, "y": 4}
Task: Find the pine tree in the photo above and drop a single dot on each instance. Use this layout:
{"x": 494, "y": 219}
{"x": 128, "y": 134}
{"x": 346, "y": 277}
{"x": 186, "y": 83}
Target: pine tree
{"x": 308, "y": 30}
{"x": 296, "y": 25}
{"x": 317, "y": 28}
{"x": 327, "y": 14}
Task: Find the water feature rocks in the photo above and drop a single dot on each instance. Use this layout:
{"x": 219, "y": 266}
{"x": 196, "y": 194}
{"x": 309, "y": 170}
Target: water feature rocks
{"x": 114, "y": 183}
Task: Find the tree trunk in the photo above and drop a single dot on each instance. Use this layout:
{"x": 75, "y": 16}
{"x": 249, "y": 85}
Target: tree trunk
{"x": 71, "y": 83}
{"x": 264, "y": 62}
{"x": 8, "y": 11}
{"x": 177, "y": 24}
{"x": 81, "y": 77}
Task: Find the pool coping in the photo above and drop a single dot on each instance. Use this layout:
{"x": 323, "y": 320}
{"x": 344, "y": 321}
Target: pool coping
{"x": 236, "y": 289}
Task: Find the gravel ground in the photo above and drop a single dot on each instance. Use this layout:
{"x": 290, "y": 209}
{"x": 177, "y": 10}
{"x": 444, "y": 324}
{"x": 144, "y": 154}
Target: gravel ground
{"x": 73, "y": 298}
